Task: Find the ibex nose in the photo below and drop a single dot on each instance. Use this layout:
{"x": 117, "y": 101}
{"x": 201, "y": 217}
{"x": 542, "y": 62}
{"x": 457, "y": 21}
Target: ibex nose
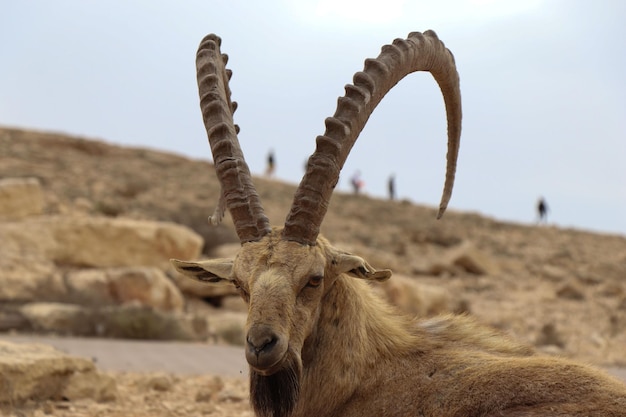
{"x": 263, "y": 349}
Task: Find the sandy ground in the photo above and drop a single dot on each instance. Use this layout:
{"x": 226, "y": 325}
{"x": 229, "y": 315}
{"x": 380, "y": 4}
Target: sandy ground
{"x": 158, "y": 379}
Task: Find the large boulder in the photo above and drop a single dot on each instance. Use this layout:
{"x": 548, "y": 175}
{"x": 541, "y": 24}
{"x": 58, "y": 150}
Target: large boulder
{"x": 100, "y": 241}
{"x": 26, "y": 279}
{"x": 40, "y": 258}
{"x": 40, "y": 372}
{"x": 128, "y": 321}
{"x": 106, "y": 242}
{"x": 20, "y": 197}
{"x": 111, "y": 286}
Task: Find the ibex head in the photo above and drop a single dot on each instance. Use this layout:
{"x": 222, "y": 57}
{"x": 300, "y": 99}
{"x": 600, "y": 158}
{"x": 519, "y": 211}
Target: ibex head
{"x": 284, "y": 274}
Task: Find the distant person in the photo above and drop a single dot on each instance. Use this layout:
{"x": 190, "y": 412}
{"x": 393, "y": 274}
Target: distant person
{"x": 271, "y": 164}
{"x": 542, "y": 211}
{"x": 391, "y": 187}
{"x": 357, "y": 182}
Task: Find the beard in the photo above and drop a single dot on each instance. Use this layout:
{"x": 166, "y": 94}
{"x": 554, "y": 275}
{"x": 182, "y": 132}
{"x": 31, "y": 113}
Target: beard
{"x": 276, "y": 395}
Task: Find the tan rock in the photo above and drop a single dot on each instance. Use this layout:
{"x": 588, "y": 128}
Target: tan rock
{"x": 40, "y": 372}
{"x": 472, "y": 260}
{"x": 228, "y": 327}
{"x": 571, "y": 291}
{"x": 58, "y": 318}
{"x": 104, "y": 242}
{"x": 25, "y": 280}
{"x": 131, "y": 321}
{"x": 148, "y": 286}
{"x": 20, "y": 197}
{"x": 101, "y": 241}
{"x": 27, "y": 273}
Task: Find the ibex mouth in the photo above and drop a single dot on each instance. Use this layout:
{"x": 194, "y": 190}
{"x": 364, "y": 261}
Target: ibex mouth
{"x": 271, "y": 370}
{"x": 265, "y": 349}
{"x": 285, "y": 361}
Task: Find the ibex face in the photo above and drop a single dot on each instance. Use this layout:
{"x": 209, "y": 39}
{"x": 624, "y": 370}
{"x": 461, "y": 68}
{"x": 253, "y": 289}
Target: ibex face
{"x": 283, "y": 283}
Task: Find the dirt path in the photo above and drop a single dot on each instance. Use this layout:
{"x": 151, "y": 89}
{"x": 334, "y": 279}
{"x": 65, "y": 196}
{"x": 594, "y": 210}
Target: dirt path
{"x": 148, "y": 356}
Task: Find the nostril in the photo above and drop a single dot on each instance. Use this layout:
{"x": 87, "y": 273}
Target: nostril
{"x": 261, "y": 339}
{"x": 264, "y": 343}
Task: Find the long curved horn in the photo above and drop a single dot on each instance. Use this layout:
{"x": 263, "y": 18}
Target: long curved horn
{"x": 420, "y": 52}
{"x": 232, "y": 171}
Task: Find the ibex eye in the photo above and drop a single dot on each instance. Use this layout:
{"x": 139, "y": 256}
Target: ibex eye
{"x": 315, "y": 281}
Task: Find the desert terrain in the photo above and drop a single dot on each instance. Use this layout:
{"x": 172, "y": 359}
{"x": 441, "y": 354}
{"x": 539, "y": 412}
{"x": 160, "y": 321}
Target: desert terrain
{"x": 561, "y": 290}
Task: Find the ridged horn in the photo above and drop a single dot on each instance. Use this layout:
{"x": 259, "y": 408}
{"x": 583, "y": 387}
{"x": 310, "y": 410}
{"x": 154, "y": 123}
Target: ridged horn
{"x": 238, "y": 191}
{"x": 419, "y": 52}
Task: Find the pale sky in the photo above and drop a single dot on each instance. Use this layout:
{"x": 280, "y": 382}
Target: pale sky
{"x": 543, "y": 86}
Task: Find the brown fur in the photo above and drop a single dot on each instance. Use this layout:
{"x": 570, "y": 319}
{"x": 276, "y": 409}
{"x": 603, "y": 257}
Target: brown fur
{"x": 348, "y": 353}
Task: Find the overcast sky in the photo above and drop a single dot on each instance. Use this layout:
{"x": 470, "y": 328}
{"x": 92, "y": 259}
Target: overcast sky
{"x": 543, "y": 86}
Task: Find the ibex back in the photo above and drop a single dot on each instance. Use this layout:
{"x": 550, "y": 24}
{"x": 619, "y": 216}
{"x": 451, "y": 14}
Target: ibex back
{"x": 319, "y": 342}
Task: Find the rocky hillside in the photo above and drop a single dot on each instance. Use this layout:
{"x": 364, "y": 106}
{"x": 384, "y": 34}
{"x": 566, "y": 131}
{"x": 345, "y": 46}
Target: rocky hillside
{"x": 563, "y": 290}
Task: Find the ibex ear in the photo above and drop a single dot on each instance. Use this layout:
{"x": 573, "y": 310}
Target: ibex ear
{"x": 214, "y": 271}
{"x": 357, "y": 267}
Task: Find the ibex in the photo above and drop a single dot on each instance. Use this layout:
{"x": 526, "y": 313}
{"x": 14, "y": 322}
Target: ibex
{"x": 320, "y": 342}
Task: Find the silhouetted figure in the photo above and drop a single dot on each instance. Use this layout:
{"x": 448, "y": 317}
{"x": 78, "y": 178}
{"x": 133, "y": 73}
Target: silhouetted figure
{"x": 542, "y": 211}
{"x": 391, "y": 187}
{"x": 357, "y": 182}
{"x": 271, "y": 164}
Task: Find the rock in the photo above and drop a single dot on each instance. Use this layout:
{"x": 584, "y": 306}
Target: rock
{"x": 553, "y": 273}
{"x": 11, "y": 319}
{"x": 100, "y": 241}
{"x": 613, "y": 289}
{"x": 107, "y": 242}
{"x": 550, "y": 336}
{"x": 101, "y": 287}
{"x": 464, "y": 258}
{"x": 571, "y": 291}
{"x": 130, "y": 321}
{"x": 208, "y": 390}
{"x": 160, "y": 382}
{"x": 51, "y": 317}
{"x": 24, "y": 279}
{"x": 20, "y": 197}
{"x": 27, "y": 273}
{"x": 40, "y": 372}
{"x": 472, "y": 260}
{"x": 228, "y": 327}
